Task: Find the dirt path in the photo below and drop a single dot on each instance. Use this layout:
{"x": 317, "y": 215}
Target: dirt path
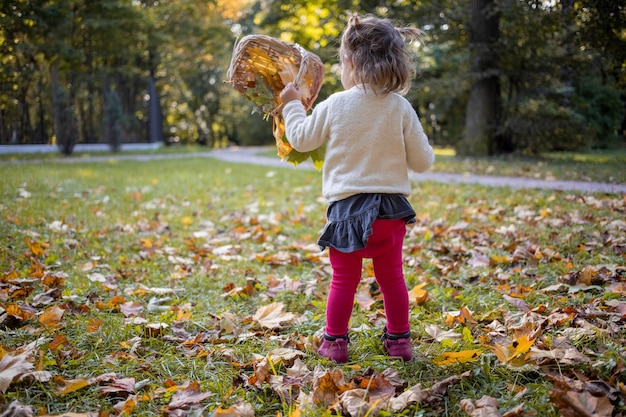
{"x": 251, "y": 155}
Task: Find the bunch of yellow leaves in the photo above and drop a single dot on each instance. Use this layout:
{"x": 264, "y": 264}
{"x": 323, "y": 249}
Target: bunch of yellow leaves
{"x": 260, "y": 68}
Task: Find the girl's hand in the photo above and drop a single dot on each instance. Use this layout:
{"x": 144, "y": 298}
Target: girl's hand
{"x": 290, "y": 93}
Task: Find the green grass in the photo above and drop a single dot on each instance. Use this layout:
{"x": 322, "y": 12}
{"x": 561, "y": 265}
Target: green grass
{"x": 601, "y": 166}
{"x": 197, "y": 228}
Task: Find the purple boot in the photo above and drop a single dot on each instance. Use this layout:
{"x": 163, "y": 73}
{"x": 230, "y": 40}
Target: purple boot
{"x": 335, "y": 348}
{"x": 398, "y": 345}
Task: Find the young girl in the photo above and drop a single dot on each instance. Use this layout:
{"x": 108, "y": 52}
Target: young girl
{"x": 373, "y": 137}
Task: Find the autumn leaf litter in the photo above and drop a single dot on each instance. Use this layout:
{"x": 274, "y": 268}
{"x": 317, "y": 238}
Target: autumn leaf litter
{"x": 179, "y": 305}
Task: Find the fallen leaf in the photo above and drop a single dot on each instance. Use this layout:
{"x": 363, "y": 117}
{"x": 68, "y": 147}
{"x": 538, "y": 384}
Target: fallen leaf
{"x": 271, "y": 316}
{"x": 122, "y": 385}
{"x": 439, "y": 334}
{"x": 51, "y": 317}
{"x": 37, "y": 248}
{"x": 64, "y": 386}
{"x": 512, "y": 352}
{"x": 131, "y": 308}
{"x": 464, "y": 356}
{"x": 17, "y": 409}
{"x": 415, "y": 394}
{"x": 485, "y": 407}
{"x": 93, "y": 325}
{"x": 418, "y": 295}
{"x": 356, "y": 402}
{"x": 240, "y": 409}
{"x": 126, "y": 407}
{"x": 581, "y": 404}
{"x": 364, "y": 300}
{"x": 327, "y": 386}
{"x": 463, "y": 317}
{"x": 11, "y": 367}
{"x": 20, "y": 312}
{"x": 187, "y": 399}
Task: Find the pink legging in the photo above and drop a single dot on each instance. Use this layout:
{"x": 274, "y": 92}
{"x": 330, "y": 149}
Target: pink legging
{"x": 385, "y": 248}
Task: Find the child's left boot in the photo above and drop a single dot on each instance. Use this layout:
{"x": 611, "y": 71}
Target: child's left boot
{"x": 398, "y": 345}
{"x": 335, "y": 348}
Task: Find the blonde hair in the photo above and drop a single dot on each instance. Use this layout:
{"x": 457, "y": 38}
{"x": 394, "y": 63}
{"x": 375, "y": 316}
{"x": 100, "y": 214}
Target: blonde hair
{"x": 377, "y": 50}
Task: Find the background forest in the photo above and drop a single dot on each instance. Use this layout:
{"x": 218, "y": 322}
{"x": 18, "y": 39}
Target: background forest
{"x": 493, "y": 76}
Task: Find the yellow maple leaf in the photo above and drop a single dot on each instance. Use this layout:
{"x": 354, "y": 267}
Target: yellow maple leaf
{"x": 36, "y": 248}
{"x": 448, "y": 358}
{"x": 464, "y": 317}
{"x": 418, "y": 295}
{"x": 514, "y": 351}
{"x": 65, "y": 386}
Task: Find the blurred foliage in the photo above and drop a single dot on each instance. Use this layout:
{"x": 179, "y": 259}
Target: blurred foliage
{"x": 560, "y": 66}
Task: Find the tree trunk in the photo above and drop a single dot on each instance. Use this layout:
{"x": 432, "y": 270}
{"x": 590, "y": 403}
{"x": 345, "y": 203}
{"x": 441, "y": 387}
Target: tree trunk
{"x": 64, "y": 118}
{"x": 107, "y": 130}
{"x": 155, "y": 127}
{"x": 483, "y": 106}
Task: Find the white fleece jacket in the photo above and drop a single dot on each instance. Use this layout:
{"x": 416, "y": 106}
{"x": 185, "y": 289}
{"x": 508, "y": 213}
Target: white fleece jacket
{"x": 372, "y": 141}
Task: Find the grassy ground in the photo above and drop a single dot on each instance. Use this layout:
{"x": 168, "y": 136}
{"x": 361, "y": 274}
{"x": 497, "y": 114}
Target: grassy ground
{"x": 601, "y": 165}
{"x": 152, "y": 288}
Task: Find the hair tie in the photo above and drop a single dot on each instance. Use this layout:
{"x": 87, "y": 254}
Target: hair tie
{"x": 354, "y": 20}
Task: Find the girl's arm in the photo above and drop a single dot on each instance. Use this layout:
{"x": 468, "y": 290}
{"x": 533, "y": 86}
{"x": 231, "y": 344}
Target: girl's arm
{"x": 419, "y": 154}
{"x": 304, "y": 133}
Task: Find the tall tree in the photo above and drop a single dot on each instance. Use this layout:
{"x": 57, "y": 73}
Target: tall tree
{"x": 483, "y": 105}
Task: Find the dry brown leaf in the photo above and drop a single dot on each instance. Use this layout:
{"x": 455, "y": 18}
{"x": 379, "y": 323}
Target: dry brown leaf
{"x": 122, "y": 385}
{"x": 93, "y": 325}
{"x": 581, "y": 404}
{"x": 431, "y": 396}
{"x": 240, "y": 409}
{"x": 439, "y": 334}
{"x": 11, "y": 367}
{"x": 131, "y": 308}
{"x": 415, "y": 394}
{"x": 17, "y": 409}
{"x": 20, "y": 312}
{"x": 517, "y": 302}
{"x": 187, "y": 399}
{"x": 299, "y": 369}
{"x": 520, "y": 412}
{"x": 271, "y": 316}
{"x": 262, "y": 371}
{"x": 568, "y": 356}
{"x": 286, "y": 356}
{"x": 51, "y": 317}
{"x": 364, "y": 300}
{"x": 485, "y": 407}
{"x": 327, "y": 386}
{"x": 463, "y": 317}
{"x": 356, "y": 402}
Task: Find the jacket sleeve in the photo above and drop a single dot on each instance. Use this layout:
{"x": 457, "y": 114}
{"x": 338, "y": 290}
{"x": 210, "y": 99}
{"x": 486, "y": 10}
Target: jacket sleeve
{"x": 419, "y": 154}
{"x": 306, "y": 133}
